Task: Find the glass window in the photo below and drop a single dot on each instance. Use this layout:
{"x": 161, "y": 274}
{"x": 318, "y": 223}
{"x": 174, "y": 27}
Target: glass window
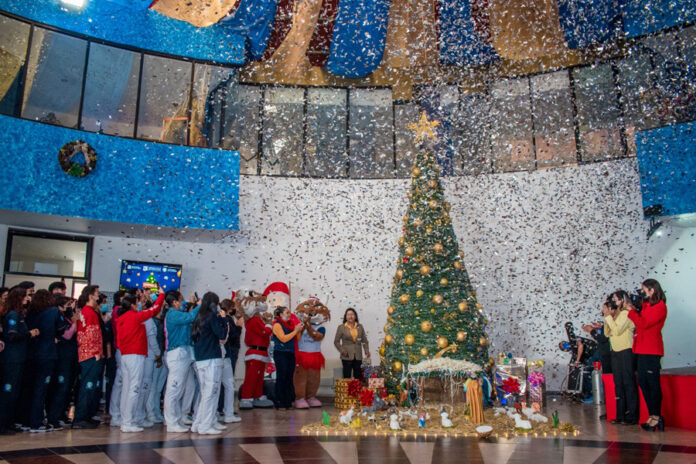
{"x": 48, "y": 256}
{"x": 209, "y": 89}
{"x": 554, "y": 128}
{"x": 406, "y": 151}
{"x": 164, "y": 97}
{"x": 371, "y": 132}
{"x": 598, "y": 113}
{"x": 325, "y": 149}
{"x": 241, "y": 125}
{"x": 111, "y": 89}
{"x": 14, "y": 39}
{"x": 475, "y": 128}
{"x": 283, "y": 122}
{"x": 54, "y": 78}
{"x": 441, "y": 103}
{"x": 511, "y": 121}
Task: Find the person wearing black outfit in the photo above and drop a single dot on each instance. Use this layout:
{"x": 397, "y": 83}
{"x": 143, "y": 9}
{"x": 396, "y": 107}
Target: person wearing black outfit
{"x": 229, "y": 362}
{"x": 13, "y": 357}
{"x": 65, "y": 372}
{"x": 284, "y": 333}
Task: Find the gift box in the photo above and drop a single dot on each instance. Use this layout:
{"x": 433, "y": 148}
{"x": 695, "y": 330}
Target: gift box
{"x": 375, "y": 382}
{"x": 372, "y": 371}
{"x": 342, "y": 399}
{"x": 537, "y": 387}
{"x": 511, "y": 374}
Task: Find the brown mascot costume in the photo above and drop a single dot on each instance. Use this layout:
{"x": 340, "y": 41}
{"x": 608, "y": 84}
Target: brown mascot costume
{"x": 309, "y": 360}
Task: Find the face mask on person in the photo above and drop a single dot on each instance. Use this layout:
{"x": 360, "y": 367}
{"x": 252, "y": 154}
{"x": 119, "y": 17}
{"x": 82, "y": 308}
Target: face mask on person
{"x": 285, "y": 317}
{"x": 140, "y": 306}
{"x": 104, "y": 308}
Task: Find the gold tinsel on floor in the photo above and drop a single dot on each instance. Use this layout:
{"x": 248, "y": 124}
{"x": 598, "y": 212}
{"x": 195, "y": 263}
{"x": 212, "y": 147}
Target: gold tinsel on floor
{"x": 503, "y": 426}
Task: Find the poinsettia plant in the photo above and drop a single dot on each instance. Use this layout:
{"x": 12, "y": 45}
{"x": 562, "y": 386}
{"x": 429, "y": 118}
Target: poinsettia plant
{"x": 354, "y": 388}
{"x": 511, "y": 386}
{"x": 367, "y": 397}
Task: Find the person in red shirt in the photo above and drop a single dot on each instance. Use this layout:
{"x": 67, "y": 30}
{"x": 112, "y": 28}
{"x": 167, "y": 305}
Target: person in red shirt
{"x": 91, "y": 357}
{"x": 132, "y": 341}
{"x": 649, "y": 348}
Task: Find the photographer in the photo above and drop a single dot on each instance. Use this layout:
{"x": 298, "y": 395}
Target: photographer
{"x": 582, "y": 350}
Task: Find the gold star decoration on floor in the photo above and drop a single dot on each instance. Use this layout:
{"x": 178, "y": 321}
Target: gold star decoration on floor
{"x": 424, "y": 129}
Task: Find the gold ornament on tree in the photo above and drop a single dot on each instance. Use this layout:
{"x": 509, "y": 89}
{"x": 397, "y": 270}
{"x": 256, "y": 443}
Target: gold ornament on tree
{"x": 444, "y": 281}
{"x": 438, "y": 248}
{"x": 426, "y": 326}
{"x": 425, "y": 269}
{"x": 417, "y": 222}
{"x": 390, "y": 310}
{"x": 432, "y": 183}
{"x": 381, "y": 350}
{"x": 419, "y": 293}
{"x": 399, "y": 273}
{"x": 424, "y": 351}
{"x": 457, "y": 265}
{"x": 410, "y": 251}
{"x": 461, "y": 336}
{"x": 401, "y": 241}
{"x": 409, "y": 339}
{"x": 462, "y": 306}
{"x": 397, "y": 365}
{"x": 388, "y": 339}
{"x": 416, "y": 171}
{"x": 433, "y": 204}
{"x": 438, "y": 299}
{"x": 432, "y": 311}
{"x": 483, "y": 341}
{"x": 442, "y": 342}
{"x": 403, "y": 299}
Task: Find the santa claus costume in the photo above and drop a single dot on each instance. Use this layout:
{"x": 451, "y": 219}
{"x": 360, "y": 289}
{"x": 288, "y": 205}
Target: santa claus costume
{"x": 257, "y": 339}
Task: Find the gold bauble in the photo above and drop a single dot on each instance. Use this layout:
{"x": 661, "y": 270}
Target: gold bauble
{"x": 478, "y": 306}
{"x": 428, "y": 230}
{"x": 461, "y": 336}
{"x": 426, "y": 326}
{"x": 442, "y": 342}
{"x": 401, "y": 241}
{"x": 405, "y": 218}
{"x": 388, "y": 339}
{"x": 438, "y": 299}
{"x": 417, "y": 222}
{"x": 432, "y": 311}
{"x": 438, "y": 248}
{"x": 483, "y": 341}
{"x": 424, "y": 351}
{"x": 381, "y": 350}
{"x": 403, "y": 299}
{"x": 433, "y": 204}
{"x": 419, "y": 293}
{"x": 447, "y": 205}
{"x": 432, "y": 183}
{"x": 397, "y": 365}
{"x": 416, "y": 171}
{"x": 462, "y": 306}
{"x": 458, "y": 264}
{"x": 410, "y": 251}
{"x": 416, "y": 312}
{"x": 409, "y": 339}
{"x": 390, "y": 310}
{"x": 399, "y": 273}
{"x": 444, "y": 281}
{"x": 425, "y": 269}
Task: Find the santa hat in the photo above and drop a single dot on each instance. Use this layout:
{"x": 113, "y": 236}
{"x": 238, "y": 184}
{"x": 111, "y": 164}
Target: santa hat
{"x": 279, "y": 287}
{"x": 234, "y": 295}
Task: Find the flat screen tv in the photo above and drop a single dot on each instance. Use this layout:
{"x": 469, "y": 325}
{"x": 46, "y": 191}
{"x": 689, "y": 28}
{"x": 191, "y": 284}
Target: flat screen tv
{"x": 146, "y": 276}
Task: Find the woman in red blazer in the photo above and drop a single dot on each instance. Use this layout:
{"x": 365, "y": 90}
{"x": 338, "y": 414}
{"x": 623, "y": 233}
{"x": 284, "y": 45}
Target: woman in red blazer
{"x": 649, "y": 348}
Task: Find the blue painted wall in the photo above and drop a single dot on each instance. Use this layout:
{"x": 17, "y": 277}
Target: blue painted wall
{"x": 642, "y": 17}
{"x": 667, "y": 164}
{"x": 137, "y": 27}
{"x": 134, "y": 181}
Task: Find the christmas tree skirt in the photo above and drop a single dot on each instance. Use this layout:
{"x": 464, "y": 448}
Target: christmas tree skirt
{"x": 378, "y": 423}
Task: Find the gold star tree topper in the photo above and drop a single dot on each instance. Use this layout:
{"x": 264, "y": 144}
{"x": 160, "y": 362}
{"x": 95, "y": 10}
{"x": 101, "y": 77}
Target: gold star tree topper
{"x": 424, "y": 129}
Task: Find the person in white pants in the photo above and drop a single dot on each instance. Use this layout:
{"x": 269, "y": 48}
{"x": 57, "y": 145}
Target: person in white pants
{"x": 154, "y": 406}
{"x": 191, "y": 394}
{"x": 179, "y": 359}
{"x": 115, "y": 402}
{"x": 132, "y": 341}
{"x": 153, "y": 351}
{"x": 209, "y": 373}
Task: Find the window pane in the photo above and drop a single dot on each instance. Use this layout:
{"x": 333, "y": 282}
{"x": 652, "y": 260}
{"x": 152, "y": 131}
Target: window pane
{"x": 326, "y": 133}
{"x": 209, "y": 88}
{"x": 164, "y": 93}
{"x": 283, "y": 114}
{"x": 406, "y": 150}
{"x": 475, "y": 127}
{"x": 441, "y": 103}
{"x": 111, "y": 90}
{"x": 371, "y": 133}
{"x": 36, "y": 255}
{"x": 242, "y": 125}
{"x": 598, "y": 113}
{"x": 511, "y": 118}
{"x": 554, "y": 130}
{"x": 14, "y": 38}
{"x": 54, "y": 78}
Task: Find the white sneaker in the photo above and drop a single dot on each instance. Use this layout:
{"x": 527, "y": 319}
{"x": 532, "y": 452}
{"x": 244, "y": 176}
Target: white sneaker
{"x": 210, "y": 431}
{"x": 131, "y": 428}
{"x": 177, "y": 429}
{"x": 147, "y": 424}
{"x": 188, "y": 420}
{"x": 219, "y": 426}
{"x": 232, "y": 418}
{"x": 246, "y": 404}
{"x": 115, "y": 423}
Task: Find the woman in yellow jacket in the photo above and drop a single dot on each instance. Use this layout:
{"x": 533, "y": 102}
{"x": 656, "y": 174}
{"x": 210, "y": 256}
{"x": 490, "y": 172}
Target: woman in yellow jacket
{"x": 619, "y": 328}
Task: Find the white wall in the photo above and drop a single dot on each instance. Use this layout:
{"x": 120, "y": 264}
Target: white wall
{"x": 541, "y": 248}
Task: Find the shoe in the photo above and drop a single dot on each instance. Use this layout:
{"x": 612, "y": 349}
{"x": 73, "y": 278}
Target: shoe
{"x": 146, "y": 423}
{"x": 115, "y": 423}
{"x": 177, "y": 429}
{"x": 210, "y": 431}
{"x": 94, "y": 421}
{"x": 629, "y": 422}
{"x": 246, "y": 404}
{"x": 301, "y": 404}
{"x": 187, "y": 420}
{"x": 588, "y": 400}
{"x": 156, "y": 420}
{"x": 615, "y": 422}
{"x": 64, "y": 422}
{"x": 41, "y": 429}
{"x": 84, "y": 425}
{"x": 603, "y": 417}
{"x": 261, "y": 402}
{"x": 97, "y": 419}
{"x": 315, "y": 403}
{"x": 21, "y": 428}
{"x": 55, "y": 427}
{"x": 131, "y": 428}
{"x": 661, "y": 424}
{"x": 232, "y": 419}
{"x": 219, "y": 426}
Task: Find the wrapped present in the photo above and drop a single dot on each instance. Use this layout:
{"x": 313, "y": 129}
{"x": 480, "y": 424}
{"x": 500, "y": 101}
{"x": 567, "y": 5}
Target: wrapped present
{"x": 372, "y": 371}
{"x": 342, "y": 395}
{"x": 511, "y": 380}
{"x": 537, "y": 386}
{"x": 375, "y": 382}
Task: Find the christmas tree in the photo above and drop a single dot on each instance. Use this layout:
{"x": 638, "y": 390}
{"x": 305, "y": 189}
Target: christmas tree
{"x": 435, "y": 325}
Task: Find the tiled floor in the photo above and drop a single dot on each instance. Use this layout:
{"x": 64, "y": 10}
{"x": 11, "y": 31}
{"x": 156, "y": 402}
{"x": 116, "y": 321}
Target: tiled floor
{"x": 267, "y": 436}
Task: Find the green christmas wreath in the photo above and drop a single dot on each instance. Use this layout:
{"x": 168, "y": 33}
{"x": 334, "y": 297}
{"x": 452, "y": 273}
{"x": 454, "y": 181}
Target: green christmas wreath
{"x": 77, "y": 158}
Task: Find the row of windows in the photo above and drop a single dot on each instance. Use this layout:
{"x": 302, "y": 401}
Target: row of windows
{"x": 583, "y": 114}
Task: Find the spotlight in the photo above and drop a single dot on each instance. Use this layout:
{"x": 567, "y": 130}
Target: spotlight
{"x": 74, "y": 4}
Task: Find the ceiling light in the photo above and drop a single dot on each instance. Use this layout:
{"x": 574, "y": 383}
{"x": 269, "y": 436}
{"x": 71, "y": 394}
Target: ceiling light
{"x": 74, "y": 3}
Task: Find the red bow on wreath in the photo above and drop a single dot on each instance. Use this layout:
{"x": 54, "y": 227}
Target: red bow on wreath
{"x": 354, "y": 388}
{"x": 367, "y": 397}
{"x": 511, "y": 385}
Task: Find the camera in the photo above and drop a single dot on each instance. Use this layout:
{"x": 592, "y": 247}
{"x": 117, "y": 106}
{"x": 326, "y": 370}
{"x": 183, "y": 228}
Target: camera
{"x": 612, "y": 304}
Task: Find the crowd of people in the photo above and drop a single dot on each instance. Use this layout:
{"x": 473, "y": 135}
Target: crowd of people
{"x": 628, "y": 343}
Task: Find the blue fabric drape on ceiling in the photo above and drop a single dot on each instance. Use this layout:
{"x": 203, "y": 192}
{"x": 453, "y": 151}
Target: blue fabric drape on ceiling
{"x": 589, "y": 22}
{"x": 459, "y": 42}
{"x": 254, "y": 20}
{"x": 642, "y": 17}
{"x": 359, "y": 36}
{"x": 136, "y": 4}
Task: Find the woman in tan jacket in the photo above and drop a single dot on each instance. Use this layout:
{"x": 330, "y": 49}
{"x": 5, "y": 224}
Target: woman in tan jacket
{"x": 350, "y": 341}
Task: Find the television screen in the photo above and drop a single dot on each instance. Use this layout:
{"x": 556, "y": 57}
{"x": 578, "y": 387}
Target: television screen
{"x": 146, "y": 276}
